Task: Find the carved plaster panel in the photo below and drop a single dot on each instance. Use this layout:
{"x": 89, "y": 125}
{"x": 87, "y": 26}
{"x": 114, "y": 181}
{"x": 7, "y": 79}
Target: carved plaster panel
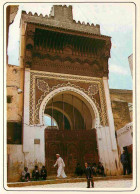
{"x": 95, "y": 86}
{"x": 42, "y": 85}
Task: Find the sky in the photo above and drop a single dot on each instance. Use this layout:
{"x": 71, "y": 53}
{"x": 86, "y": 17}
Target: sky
{"x": 49, "y": 122}
{"x": 116, "y": 20}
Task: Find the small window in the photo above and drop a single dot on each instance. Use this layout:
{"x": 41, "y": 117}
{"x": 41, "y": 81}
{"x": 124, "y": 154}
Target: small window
{"x": 29, "y": 47}
{"x": 9, "y": 99}
{"x": 15, "y": 71}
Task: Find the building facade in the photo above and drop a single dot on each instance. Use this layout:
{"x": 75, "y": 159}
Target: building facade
{"x": 65, "y": 76}
{"x": 122, "y": 108}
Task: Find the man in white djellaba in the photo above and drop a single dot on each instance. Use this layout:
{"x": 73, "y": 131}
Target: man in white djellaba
{"x": 61, "y": 165}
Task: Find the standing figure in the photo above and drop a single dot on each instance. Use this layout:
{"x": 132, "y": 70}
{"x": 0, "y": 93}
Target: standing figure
{"x": 124, "y": 161}
{"x": 43, "y": 173}
{"x": 35, "y": 173}
{"x": 61, "y": 165}
{"x": 89, "y": 175}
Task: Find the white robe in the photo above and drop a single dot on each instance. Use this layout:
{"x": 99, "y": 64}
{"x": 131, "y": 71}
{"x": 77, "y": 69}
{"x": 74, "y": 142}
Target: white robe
{"x": 61, "y": 165}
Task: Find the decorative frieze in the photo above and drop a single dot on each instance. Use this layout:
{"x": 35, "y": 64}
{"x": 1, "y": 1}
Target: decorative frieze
{"x": 93, "y": 89}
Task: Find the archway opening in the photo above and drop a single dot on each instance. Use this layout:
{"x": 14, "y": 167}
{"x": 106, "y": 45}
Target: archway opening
{"x": 70, "y": 111}
{"x": 57, "y": 120}
{"x": 50, "y": 121}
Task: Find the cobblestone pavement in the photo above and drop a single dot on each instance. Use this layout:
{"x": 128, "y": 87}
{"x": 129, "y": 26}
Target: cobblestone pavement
{"x": 98, "y": 184}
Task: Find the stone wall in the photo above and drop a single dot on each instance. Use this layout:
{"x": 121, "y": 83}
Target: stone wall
{"x": 15, "y": 162}
{"x": 121, "y": 95}
{"x": 13, "y": 81}
{"x": 122, "y": 112}
{"x": 13, "y": 12}
{"x": 61, "y": 16}
{"x": 62, "y": 13}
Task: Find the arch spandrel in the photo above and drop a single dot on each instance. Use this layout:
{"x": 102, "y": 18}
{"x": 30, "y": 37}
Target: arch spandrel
{"x": 43, "y": 83}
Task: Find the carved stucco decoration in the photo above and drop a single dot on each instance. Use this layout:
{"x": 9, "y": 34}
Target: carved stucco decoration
{"x": 96, "y": 85}
{"x": 29, "y": 47}
{"x": 42, "y": 85}
{"x": 93, "y": 89}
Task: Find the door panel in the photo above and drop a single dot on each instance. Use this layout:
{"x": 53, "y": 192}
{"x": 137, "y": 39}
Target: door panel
{"x": 75, "y": 146}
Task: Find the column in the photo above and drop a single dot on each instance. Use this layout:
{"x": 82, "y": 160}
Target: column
{"x": 109, "y": 114}
{"x": 110, "y": 131}
{"x": 27, "y": 130}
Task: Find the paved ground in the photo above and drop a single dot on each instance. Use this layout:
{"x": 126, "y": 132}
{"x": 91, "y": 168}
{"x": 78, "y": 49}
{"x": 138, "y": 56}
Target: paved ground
{"x": 127, "y": 183}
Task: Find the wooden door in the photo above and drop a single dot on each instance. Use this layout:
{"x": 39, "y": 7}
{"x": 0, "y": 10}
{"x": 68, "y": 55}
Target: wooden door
{"x": 75, "y": 146}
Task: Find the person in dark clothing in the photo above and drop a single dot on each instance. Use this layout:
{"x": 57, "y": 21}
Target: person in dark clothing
{"x": 25, "y": 176}
{"x": 78, "y": 170}
{"x": 94, "y": 169}
{"x": 88, "y": 173}
{"x": 43, "y": 173}
{"x": 128, "y": 159}
{"x": 35, "y": 174}
{"x": 100, "y": 169}
{"x": 124, "y": 161}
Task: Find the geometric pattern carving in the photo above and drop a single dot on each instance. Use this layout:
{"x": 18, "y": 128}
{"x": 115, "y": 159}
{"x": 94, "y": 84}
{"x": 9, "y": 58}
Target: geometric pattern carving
{"x": 42, "y": 85}
{"x": 93, "y": 89}
{"x": 103, "y": 105}
{"x": 96, "y": 86}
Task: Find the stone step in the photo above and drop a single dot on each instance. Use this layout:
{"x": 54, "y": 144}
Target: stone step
{"x": 66, "y": 180}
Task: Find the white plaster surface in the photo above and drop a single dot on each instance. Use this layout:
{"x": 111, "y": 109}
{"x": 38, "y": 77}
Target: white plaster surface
{"x": 36, "y": 152}
{"x": 27, "y": 132}
{"x": 15, "y": 162}
{"x": 15, "y": 152}
{"x": 26, "y": 96}
{"x": 110, "y": 114}
{"x": 125, "y": 139}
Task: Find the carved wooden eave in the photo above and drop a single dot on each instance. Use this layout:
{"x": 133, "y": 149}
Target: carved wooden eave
{"x": 70, "y": 31}
{"x": 66, "y": 44}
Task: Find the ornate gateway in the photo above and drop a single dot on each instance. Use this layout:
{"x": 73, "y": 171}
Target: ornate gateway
{"x": 66, "y": 74}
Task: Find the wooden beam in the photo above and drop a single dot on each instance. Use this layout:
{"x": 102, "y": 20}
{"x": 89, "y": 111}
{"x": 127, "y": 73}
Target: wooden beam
{"x": 72, "y": 32}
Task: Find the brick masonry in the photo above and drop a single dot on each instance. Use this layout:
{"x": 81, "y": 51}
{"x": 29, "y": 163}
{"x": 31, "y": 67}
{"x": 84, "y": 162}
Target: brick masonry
{"x": 13, "y": 81}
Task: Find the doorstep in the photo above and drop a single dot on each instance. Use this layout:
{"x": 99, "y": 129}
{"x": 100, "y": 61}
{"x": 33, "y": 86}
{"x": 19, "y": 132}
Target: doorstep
{"x": 66, "y": 180}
